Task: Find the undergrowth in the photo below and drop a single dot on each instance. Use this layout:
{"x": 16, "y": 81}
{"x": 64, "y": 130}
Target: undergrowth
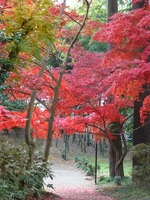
{"x": 106, "y": 185}
{"x": 16, "y": 182}
{"x": 128, "y": 191}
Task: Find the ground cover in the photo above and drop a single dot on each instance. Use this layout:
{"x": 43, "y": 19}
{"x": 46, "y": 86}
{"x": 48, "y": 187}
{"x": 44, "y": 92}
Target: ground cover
{"x": 105, "y": 185}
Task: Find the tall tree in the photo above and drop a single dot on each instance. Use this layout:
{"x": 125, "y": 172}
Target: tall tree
{"x": 129, "y": 34}
{"x": 141, "y": 132}
{"x": 112, "y": 9}
{"x": 61, "y": 50}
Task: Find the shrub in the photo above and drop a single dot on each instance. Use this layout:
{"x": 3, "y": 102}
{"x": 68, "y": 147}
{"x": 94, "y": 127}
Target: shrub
{"x": 141, "y": 171}
{"x": 17, "y": 182}
{"x": 84, "y": 165}
{"x": 77, "y": 159}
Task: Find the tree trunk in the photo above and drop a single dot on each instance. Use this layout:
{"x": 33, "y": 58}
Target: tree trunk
{"x": 28, "y": 137}
{"x": 140, "y": 4}
{"x": 118, "y": 152}
{"x": 58, "y": 83}
{"x": 112, "y": 160}
{"x": 112, "y": 9}
{"x": 114, "y": 157}
{"x": 51, "y": 118}
{"x": 141, "y": 132}
{"x": 30, "y": 161}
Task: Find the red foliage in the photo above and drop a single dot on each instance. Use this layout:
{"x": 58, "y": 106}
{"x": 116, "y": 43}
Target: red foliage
{"x": 122, "y": 72}
{"x": 9, "y": 120}
{"x": 85, "y": 90}
{"x": 128, "y": 59}
{"x": 145, "y": 109}
{"x": 2, "y": 3}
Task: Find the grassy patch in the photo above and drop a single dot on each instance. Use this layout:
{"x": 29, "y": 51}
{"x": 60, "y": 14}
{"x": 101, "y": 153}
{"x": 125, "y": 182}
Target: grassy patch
{"x": 126, "y": 191}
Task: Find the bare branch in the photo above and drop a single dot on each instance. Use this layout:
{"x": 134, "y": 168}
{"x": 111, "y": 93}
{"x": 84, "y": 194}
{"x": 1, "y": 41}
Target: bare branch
{"x": 52, "y": 76}
{"x": 76, "y": 36}
{"x": 43, "y": 103}
{"x": 73, "y": 19}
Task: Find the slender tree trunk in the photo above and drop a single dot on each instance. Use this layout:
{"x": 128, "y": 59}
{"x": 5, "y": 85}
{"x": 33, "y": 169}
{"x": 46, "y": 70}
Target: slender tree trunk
{"x": 30, "y": 161}
{"x": 73, "y": 138}
{"x": 56, "y": 144}
{"x": 28, "y": 136}
{"x": 52, "y": 115}
{"x": 84, "y": 143}
{"x": 58, "y": 83}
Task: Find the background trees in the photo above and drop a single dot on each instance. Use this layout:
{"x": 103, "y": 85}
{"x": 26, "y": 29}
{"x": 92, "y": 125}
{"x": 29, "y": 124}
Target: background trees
{"x": 131, "y": 61}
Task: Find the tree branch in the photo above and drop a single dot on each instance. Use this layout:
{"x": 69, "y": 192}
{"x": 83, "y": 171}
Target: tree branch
{"x": 72, "y": 19}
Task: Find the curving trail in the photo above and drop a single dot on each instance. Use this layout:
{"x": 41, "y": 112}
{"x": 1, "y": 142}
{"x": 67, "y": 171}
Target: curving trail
{"x": 71, "y": 184}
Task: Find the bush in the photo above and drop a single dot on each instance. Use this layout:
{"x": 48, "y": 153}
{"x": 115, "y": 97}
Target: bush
{"x": 17, "y": 182}
{"x": 84, "y": 165}
{"x": 141, "y": 171}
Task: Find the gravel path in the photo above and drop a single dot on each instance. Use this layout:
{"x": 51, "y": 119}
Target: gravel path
{"x": 70, "y": 183}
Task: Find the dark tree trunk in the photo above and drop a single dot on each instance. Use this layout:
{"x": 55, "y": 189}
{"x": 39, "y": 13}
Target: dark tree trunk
{"x": 112, "y": 8}
{"x": 141, "y": 133}
{"x": 140, "y": 4}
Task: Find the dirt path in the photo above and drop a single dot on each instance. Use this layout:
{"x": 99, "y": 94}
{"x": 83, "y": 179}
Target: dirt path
{"x": 70, "y": 183}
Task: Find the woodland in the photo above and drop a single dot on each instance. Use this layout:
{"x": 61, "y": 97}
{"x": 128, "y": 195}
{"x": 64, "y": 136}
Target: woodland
{"x": 72, "y": 70}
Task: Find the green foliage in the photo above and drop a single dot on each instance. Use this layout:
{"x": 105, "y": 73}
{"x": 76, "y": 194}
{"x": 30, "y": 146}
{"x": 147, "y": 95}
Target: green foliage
{"x": 128, "y": 191}
{"x": 15, "y": 105}
{"x": 17, "y": 182}
{"x": 141, "y": 171}
{"x": 26, "y": 24}
{"x": 34, "y": 177}
{"x": 12, "y": 168}
{"x": 4, "y": 74}
{"x": 85, "y": 165}
{"x": 93, "y": 46}
{"x": 124, "y": 6}
{"x": 128, "y": 125}
{"x": 103, "y": 179}
{"x": 128, "y": 112}
{"x": 98, "y": 10}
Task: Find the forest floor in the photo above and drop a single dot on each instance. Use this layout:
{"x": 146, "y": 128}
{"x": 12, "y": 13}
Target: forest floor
{"x": 71, "y": 183}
